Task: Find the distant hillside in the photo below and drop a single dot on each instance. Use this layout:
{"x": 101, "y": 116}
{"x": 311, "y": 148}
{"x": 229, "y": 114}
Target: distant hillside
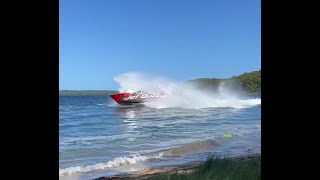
{"x": 250, "y": 82}
{"x": 85, "y": 92}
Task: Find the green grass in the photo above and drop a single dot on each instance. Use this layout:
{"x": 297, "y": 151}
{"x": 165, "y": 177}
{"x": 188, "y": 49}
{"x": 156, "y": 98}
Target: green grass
{"x": 219, "y": 169}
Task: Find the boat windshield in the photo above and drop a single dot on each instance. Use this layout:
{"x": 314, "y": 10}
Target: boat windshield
{"x": 129, "y": 91}
{"x": 141, "y": 91}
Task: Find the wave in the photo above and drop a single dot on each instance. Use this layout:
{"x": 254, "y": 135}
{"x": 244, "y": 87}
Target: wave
{"x": 119, "y": 161}
{"x": 89, "y": 139}
{"x": 184, "y": 149}
{"x": 68, "y": 140}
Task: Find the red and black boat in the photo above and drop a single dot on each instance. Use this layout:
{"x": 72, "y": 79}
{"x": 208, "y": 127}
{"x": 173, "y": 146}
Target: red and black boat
{"x": 130, "y": 97}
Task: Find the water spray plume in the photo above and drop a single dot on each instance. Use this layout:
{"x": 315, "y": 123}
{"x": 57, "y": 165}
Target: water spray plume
{"x": 183, "y": 95}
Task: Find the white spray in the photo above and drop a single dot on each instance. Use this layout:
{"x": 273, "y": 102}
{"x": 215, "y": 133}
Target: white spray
{"x": 181, "y": 94}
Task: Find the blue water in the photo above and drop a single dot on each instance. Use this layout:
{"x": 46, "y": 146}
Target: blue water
{"x": 100, "y": 138}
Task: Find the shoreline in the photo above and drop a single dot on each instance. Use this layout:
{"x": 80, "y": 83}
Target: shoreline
{"x": 184, "y": 168}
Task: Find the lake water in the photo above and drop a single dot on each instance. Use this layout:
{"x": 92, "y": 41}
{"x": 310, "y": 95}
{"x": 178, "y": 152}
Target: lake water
{"x": 100, "y": 138}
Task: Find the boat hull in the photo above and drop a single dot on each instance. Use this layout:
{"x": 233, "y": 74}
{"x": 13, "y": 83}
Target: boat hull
{"x": 135, "y": 98}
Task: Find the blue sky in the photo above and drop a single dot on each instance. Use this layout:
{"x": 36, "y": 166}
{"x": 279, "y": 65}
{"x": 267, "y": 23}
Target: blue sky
{"x": 177, "y": 39}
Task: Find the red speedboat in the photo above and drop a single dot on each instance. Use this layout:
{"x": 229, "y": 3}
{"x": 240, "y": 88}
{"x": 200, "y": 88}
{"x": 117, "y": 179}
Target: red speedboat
{"x": 130, "y": 97}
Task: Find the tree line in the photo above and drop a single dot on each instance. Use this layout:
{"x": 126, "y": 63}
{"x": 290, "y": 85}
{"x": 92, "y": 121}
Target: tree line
{"x": 249, "y": 82}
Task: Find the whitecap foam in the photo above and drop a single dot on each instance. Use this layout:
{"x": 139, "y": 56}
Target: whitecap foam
{"x": 252, "y": 102}
{"x": 119, "y": 161}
